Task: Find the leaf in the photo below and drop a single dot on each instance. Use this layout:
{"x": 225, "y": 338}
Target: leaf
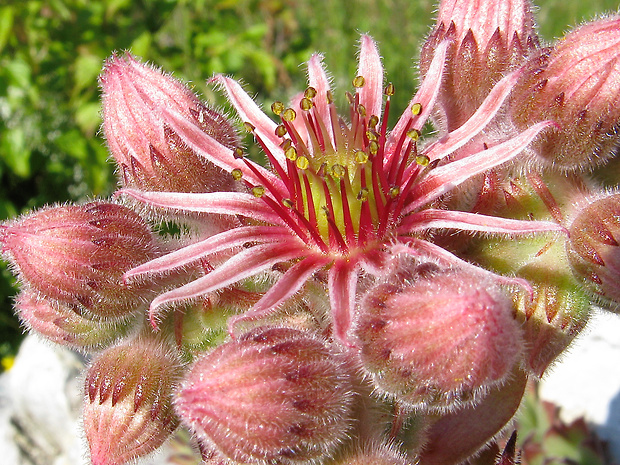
{"x": 6, "y": 25}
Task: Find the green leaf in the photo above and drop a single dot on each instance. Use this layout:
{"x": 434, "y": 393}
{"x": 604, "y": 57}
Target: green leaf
{"x": 88, "y": 117}
{"x": 6, "y": 25}
{"x": 86, "y": 69}
{"x": 16, "y": 154}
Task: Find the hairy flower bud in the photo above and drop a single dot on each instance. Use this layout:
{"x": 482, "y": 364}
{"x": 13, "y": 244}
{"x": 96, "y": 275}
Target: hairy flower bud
{"x": 489, "y": 38}
{"x": 60, "y": 323}
{"x": 273, "y": 395}
{"x": 375, "y": 454}
{"x": 128, "y": 401}
{"x": 149, "y": 153}
{"x": 593, "y": 250}
{"x": 576, "y": 85}
{"x": 436, "y": 341}
{"x": 77, "y": 254}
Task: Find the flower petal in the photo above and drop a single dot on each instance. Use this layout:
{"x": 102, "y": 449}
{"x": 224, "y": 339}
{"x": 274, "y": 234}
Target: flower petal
{"x": 444, "y": 178}
{"x": 243, "y": 265}
{"x": 342, "y": 283}
{"x": 250, "y": 112}
{"x": 222, "y": 203}
{"x": 478, "y": 121}
{"x": 318, "y": 79}
{"x": 215, "y": 152}
{"x": 217, "y": 243}
{"x": 286, "y": 286}
{"x": 433, "y": 218}
{"x": 370, "y": 67}
{"x": 426, "y": 96}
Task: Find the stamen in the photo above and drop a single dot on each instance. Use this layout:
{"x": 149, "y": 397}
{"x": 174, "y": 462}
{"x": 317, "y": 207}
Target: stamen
{"x": 310, "y": 92}
{"x": 258, "y": 191}
{"x": 237, "y": 174}
{"x": 289, "y": 115}
{"x": 359, "y": 81}
{"x": 416, "y": 109}
{"x": 280, "y": 130}
{"x": 306, "y": 104}
{"x": 277, "y": 108}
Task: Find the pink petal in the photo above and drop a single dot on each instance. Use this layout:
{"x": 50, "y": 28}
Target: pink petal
{"x": 243, "y": 265}
{"x": 286, "y": 286}
{"x": 478, "y": 121}
{"x": 215, "y": 152}
{"x": 317, "y": 78}
{"x": 222, "y": 203}
{"x": 432, "y": 218}
{"x": 217, "y": 243}
{"x": 370, "y": 67}
{"x": 444, "y": 178}
{"x": 250, "y": 112}
{"x": 426, "y": 96}
{"x": 421, "y": 248}
{"x": 342, "y": 283}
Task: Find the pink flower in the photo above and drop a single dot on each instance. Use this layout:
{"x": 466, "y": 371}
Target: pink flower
{"x": 339, "y": 196}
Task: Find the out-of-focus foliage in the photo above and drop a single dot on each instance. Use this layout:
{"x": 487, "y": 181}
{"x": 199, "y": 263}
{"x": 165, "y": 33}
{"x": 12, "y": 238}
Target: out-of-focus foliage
{"x": 51, "y": 52}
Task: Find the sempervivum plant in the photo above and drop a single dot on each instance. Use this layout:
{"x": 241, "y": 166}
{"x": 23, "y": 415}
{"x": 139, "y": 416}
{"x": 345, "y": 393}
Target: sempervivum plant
{"x": 371, "y": 293}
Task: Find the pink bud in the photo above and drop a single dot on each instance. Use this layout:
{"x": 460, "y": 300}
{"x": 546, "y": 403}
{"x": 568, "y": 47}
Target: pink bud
{"x": 128, "y": 401}
{"x": 435, "y": 341}
{"x": 59, "y": 323}
{"x": 489, "y": 39}
{"x": 576, "y": 85}
{"x": 273, "y": 395}
{"x": 593, "y": 250}
{"x": 77, "y": 254}
{"x": 149, "y": 153}
{"x": 375, "y": 454}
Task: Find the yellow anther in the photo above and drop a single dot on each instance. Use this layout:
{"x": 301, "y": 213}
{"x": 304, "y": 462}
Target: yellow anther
{"x": 305, "y": 104}
{"x": 302, "y": 163}
{"x": 289, "y": 115}
{"x": 285, "y": 144}
{"x": 310, "y": 92}
{"x": 359, "y": 81}
{"x": 349, "y": 97}
{"x": 249, "y": 127}
{"x": 288, "y": 203}
{"x": 237, "y": 174}
{"x": 389, "y": 89}
{"x": 238, "y": 152}
{"x": 361, "y": 109}
{"x": 373, "y": 147}
{"x": 329, "y": 96}
{"x": 363, "y": 194}
{"x": 258, "y": 191}
{"x": 413, "y": 134}
{"x": 371, "y": 135}
{"x": 416, "y": 109}
{"x": 277, "y": 107}
{"x": 280, "y": 130}
{"x": 394, "y": 191}
{"x": 422, "y": 160}
{"x": 338, "y": 171}
{"x": 291, "y": 153}
{"x": 373, "y": 121}
{"x": 361, "y": 157}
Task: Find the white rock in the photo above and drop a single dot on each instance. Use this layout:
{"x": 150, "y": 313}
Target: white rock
{"x": 586, "y": 381}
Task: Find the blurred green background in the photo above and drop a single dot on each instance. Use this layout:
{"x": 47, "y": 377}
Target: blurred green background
{"x": 52, "y": 51}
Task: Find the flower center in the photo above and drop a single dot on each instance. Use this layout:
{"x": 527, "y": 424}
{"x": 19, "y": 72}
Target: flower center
{"x": 344, "y": 187}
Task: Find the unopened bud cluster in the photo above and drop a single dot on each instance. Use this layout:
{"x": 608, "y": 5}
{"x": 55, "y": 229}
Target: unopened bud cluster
{"x": 372, "y": 294}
